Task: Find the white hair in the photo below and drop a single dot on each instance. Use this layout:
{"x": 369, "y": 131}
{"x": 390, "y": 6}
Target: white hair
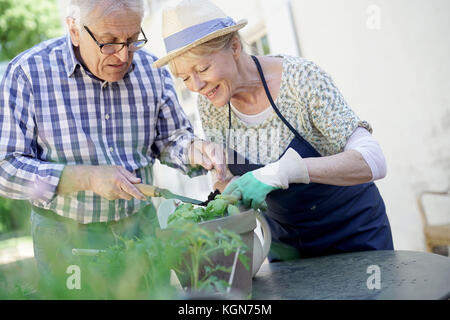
{"x": 80, "y": 10}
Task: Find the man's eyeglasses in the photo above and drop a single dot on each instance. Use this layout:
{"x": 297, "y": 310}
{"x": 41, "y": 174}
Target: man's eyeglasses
{"x": 111, "y": 48}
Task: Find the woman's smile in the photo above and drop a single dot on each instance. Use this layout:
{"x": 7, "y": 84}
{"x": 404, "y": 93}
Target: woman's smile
{"x": 212, "y": 93}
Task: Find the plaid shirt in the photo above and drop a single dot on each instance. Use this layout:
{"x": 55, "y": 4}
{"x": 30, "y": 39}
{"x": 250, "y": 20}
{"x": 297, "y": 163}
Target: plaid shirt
{"x": 54, "y": 112}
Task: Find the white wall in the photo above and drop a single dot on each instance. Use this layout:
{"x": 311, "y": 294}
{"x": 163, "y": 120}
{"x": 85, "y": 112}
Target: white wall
{"x": 280, "y": 22}
{"x": 397, "y": 78}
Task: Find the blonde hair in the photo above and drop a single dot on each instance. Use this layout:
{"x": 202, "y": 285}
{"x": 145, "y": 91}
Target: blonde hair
{"x": 207, "y": 48}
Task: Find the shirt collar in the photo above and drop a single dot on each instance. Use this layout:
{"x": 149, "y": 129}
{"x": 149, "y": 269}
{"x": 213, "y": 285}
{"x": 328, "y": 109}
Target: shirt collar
{"x": 71, "y": 59}
{"x": 73, "y": 62}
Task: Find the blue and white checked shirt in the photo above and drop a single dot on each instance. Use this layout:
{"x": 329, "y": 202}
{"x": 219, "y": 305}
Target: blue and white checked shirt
{"x": 54, "y": 112}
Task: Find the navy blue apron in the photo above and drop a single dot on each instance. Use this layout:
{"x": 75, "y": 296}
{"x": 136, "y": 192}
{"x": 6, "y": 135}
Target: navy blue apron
{"x": 318, "y": 219}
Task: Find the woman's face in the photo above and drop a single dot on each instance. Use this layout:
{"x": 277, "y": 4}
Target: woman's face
{"x": 213, "y": 75}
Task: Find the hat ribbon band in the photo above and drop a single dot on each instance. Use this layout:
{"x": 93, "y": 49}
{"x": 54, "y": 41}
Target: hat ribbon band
{"x": 189, "y": 35}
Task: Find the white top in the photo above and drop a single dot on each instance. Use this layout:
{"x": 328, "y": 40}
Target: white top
{"x": 313, "y": 105}
{"x": 361, "y": 140}
{"x": 253, "y": 119}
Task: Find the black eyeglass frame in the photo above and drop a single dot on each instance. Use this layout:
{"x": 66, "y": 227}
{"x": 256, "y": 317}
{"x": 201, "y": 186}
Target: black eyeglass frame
{"x": 101, "y": 45}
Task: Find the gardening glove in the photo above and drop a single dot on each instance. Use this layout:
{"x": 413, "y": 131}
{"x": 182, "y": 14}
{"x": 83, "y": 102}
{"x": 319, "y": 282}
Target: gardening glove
{"x": 254, "y": 186}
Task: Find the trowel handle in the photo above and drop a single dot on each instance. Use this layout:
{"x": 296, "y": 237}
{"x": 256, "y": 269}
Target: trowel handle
{"x": 148, "y": 190}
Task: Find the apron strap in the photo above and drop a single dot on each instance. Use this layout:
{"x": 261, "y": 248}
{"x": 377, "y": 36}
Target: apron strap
{"x": 237, "y": 169}
{"x": 269, "y": 96}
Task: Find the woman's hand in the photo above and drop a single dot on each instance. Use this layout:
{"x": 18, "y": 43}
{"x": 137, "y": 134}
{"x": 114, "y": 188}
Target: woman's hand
{"x": 253, "y": 187}
{"x": 251, "y": 191}
{"x": 222, "y": 185}
{"x": 209, "y": 155}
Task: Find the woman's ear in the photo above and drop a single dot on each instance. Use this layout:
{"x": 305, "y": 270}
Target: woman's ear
{"x": 236, "y": 47}
{"x": 73, "y": 31}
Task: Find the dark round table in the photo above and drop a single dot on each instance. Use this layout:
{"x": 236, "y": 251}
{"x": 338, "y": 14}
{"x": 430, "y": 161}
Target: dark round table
{"x": 384, "y": 275}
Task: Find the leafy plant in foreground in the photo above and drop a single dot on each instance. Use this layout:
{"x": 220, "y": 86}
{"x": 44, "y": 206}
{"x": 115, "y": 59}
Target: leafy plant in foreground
{"x": 140, "y": 268}
{"x": 198, "y": 246}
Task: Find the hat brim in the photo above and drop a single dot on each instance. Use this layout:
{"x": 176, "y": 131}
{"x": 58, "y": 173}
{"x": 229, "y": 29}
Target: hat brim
{"x": 171, "y": 55}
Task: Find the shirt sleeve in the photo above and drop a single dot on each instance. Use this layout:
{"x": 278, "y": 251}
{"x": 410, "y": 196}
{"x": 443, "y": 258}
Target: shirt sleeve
{"x": 362, "y": 141}
{"x": 174, "y": 131}
{"x": 330, "y": 113}
{"x": 22, "y": 175}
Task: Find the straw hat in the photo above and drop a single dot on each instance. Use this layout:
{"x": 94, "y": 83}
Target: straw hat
{"x": 191, "y": 23}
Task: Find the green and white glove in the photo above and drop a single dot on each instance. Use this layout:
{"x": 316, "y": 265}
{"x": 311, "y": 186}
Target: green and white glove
{"x": 254, "y": 186}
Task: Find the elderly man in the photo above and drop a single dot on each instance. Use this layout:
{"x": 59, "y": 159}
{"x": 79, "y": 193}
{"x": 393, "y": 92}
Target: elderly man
{"x": 82, "y": 119}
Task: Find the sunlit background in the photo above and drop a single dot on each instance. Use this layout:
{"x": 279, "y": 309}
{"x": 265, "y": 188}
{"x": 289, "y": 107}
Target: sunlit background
{"x": 388, "y": 57}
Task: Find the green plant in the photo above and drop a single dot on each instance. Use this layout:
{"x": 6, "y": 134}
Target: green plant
{"x": 133, "y": 269}
{"x": 219, "y": 207}
{"x": 196, "y": 248}
{"x": 25, "y": 23}
{"x": 140, "y": 268}
{"x": 14, "y": 215}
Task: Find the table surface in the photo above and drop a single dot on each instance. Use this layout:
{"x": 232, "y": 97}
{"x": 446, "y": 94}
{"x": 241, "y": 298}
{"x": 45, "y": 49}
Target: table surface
{"x": 402, "y": 274}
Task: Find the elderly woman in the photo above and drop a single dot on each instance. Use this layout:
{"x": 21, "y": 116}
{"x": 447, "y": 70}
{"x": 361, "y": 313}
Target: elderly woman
{"x": 320, "y": 194}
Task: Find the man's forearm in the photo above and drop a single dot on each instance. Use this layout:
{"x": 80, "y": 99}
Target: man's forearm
{"x": 74, "y": 178}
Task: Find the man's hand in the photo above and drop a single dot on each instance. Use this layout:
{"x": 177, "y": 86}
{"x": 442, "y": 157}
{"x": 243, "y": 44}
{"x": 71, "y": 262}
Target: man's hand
{"x": 209, "y": 155}
{"x": 109, "y": 182}
{"x": 114, "y": 182}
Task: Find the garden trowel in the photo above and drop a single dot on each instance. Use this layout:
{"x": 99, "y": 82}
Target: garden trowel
{"x": 153, "y": 191}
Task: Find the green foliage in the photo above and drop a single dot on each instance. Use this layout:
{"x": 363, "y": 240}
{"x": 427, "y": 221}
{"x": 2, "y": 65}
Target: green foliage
{"x": 221, "y": 206}
{"x": 197, "y": 247}
{"x": 194, "y": 171}
{"x": 200, "y": 244}
{"x": 140, "y": 268}
{"x": 133, "y": 269}
{"x": 232, "y": 210}
{"x": 216, "y": 208}
{"x": 18, "y": 280}
{"x": 26, "y": 23}
{"x": 14, "y": 216}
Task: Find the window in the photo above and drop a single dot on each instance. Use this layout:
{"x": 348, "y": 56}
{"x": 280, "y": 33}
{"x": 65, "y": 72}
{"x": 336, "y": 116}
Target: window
{"x": 255, "y": 38}
{"x": 154, "y": 5}
{"x": 260, "y": 46}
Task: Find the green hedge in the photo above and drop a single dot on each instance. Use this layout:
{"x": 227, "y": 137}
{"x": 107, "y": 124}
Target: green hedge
{"x": 25, "y": 23}
{"x": 14, "y": 216}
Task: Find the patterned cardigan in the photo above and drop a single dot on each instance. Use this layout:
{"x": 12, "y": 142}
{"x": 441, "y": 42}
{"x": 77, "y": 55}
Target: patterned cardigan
{"x": 308, "y": 99}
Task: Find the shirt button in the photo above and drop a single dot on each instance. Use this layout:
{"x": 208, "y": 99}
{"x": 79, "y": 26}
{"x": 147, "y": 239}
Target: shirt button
{"x": 111, "y": 149}
{"x": 107, "y": 117}
{"x": 313, "y": 207}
